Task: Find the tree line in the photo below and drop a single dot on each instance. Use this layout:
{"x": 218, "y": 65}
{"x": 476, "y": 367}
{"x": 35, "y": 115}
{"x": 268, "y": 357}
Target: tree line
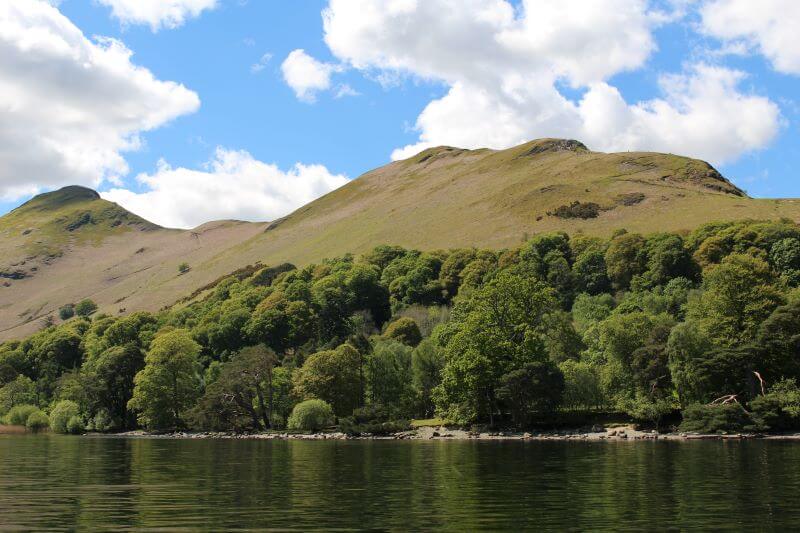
{"x": 702, "y": 327}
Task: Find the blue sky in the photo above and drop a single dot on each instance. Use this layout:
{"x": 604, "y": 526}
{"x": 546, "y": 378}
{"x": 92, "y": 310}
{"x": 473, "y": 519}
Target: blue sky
{"x": 259, "y": 116}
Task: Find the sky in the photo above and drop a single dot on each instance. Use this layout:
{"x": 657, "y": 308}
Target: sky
{"x": 186, "y": 111}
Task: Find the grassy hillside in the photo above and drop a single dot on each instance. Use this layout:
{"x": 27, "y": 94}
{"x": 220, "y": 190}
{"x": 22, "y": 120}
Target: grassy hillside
{"x": 441, "y": 198}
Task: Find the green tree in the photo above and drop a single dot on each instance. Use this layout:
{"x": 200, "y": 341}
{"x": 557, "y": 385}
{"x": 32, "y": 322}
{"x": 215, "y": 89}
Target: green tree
{"x": 167, "y": 386}
{"x": 626, "y": 257}
{"x": 61, "y": 414}
{"x": 242, "y": 394}
{"x": 404, "y": 330}
{"x": 333, "y": 376}
{"x": 21, "y": 391}
{"x": 389, "y": 377}
{"x": 66, "y": 312}
{"x": 738, "y": 294}
{"x": 497, "y": 330}
{"x": 426, "y": 367}
{"x": 535, "y": 387}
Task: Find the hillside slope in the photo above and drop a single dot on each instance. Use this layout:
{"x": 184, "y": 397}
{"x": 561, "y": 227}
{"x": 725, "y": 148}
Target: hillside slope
{"x": 441, "y": 198}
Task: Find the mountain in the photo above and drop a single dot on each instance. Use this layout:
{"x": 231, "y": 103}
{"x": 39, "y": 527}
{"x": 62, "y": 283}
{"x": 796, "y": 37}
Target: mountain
{"x": 70, "y": 244}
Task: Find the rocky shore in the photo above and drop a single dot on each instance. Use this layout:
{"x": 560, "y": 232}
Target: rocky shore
{"x": 596, "y": 433}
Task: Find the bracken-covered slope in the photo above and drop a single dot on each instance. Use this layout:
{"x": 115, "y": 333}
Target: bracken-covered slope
{"x": 441, "y": 198}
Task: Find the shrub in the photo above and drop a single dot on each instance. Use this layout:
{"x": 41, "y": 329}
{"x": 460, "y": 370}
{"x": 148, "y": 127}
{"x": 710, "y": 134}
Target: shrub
{"x": 62, "y": 414}
{"x": 85, "y": 307}
{"x": 404, "y": 330}
{"x": 183, "y": 268}
{"x": 19, "y": 414}
{"x": 577, "y": 209}
{"x": 37, "y": 421}
{"x": 311, "y": 415}
{"x": 699, "y": 418}
{"x": 101, "y": 422}
{"x": 779, "y": 409}
{"x": 66, "y": 312}
{"x": 75, "y": 425}
{"x": 374, "y": 420}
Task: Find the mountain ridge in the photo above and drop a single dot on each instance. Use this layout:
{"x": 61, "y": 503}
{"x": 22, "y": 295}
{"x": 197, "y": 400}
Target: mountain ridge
{"x": 443, "y": 197}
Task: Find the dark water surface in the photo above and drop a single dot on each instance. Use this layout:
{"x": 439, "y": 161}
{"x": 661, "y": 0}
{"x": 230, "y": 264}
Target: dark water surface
{"x": 53, "y": 482}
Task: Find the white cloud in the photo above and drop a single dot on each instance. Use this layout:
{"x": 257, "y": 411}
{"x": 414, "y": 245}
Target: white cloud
{"x": 233, "y": 185}
{"x": 305, "y": 75}
{"x": 257, "y": 67}
{"x": 504, "y": 67}
{"x": 157, "y": 14}
{"x": 770, "y": 26}
{"x": 70, "y": 106}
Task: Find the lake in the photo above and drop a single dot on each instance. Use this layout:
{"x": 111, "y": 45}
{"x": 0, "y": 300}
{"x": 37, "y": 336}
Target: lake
{"x": 59, "y": 482}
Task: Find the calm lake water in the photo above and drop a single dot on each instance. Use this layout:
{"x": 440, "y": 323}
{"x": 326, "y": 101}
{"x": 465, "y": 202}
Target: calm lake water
{"x": 57, "y": 482}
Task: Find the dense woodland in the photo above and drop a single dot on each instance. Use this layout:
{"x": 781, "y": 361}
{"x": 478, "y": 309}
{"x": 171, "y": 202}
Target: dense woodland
{"x": 701, "y": 329}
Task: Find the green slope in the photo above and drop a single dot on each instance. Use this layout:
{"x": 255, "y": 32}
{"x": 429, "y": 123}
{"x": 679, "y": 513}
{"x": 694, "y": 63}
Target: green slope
{"x": 441, "y": 198}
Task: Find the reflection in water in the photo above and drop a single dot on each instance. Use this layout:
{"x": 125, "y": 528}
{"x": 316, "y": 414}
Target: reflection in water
{"x": 52, "y": 482}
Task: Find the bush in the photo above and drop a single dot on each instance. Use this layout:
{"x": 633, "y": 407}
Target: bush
{"x": 183, "y": 268}
{"x": 732, "y": 417}
{"x": 404, "y": 330}
{"x": 37, "y": 421}
{"x": 66, "y": 312}
{"x": 311, "y": 415}
{"x": 75, "y": 425}
{"x": 19, "y": 414}
{"x": 85, "y": 308}
{"x": 374, "y": 420}
{"x": 101, "y": 422}
{"x": 779, "y": 409}
{"x": 577, "y": 209}
{"x": 61, "y": 415}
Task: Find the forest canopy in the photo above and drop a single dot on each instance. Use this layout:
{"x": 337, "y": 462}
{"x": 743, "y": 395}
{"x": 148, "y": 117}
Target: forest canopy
{"x": 706, "y": 324}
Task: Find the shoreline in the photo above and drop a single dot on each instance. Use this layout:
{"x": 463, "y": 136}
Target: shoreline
{"x": 618, "y": 434}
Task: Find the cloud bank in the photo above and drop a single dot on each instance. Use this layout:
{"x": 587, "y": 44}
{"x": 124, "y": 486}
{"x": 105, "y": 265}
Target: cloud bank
{"x": 233, "y": 185}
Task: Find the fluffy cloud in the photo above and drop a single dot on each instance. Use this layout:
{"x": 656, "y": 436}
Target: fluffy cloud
{"x": 305, "y": 75}
{"x": 233, "y": 185}
{"x": 70, "y": 106}
{"x": 157, "y": 13}
{"x": 770, "y": 26}
{"x": 504, "y": 67}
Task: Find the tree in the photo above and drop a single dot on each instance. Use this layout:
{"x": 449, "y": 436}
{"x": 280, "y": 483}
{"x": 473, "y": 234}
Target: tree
{"x": 389, "y": 378}
{"x": 282, "y": 324}
{"x": 333, "y": 376}
{"x": 167, "y": 386}
{"x": 243, "y": 391}
{"x": 21, "y": 391}
{"x": 112, "y": 374}
{"x": 535, "y": 387}
{"x": 582, "y": 388}
{"x": 426, "y": 368}
{"x": 66, "y": 312}
{"x": 626, "y": 257}
{"x": 61, "y": 414}
{"x": 85, "y": 307}
{"x": 404, "y": 330}
{"x": 497, "y": 330}
{"x": 738, "y": 294}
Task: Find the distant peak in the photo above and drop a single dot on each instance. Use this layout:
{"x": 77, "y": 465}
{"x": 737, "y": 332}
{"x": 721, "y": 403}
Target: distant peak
{"x": 61, "y": 197}
{"x": 70, "y": 193}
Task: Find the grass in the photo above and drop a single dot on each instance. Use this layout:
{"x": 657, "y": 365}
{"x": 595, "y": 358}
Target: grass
{"x": 429, "y": 422}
